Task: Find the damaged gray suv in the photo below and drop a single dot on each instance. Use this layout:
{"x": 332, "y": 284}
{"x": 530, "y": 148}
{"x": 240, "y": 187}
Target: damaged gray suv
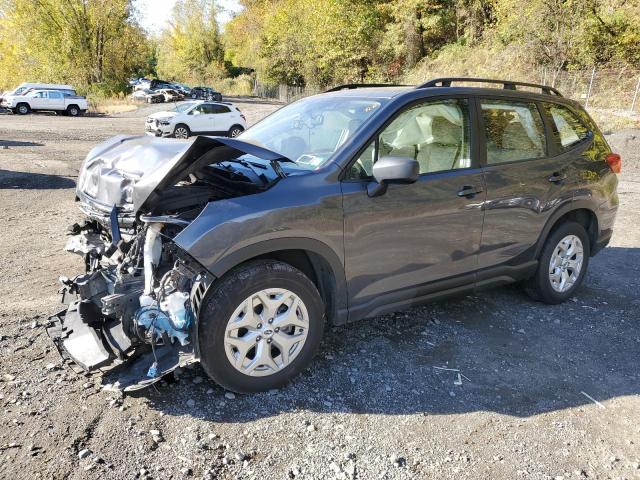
{"x": 237, "y": 252}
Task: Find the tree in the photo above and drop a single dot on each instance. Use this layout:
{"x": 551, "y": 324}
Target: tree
{"x": 84, "y": 42}
{"x": 191, "y": 49}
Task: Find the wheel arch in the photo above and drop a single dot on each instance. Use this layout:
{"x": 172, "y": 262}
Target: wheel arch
{"x": 581, "y": 214}
{"x": 23, "y": 103}
{"x": 313, "y": 258}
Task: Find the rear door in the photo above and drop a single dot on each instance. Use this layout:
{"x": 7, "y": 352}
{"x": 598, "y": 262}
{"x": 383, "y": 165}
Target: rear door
{"x": 525, "y": 179}
{"x": 56, "y": 100}
{"x": 223, "y": 118}
{"x": 410, "y": 241}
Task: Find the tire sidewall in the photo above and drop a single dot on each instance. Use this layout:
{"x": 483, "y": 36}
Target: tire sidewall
{"x": 222, "y": 301}
{"x": 20, "y": 108}
{"x": 71, "y": 109}
{"x": 181, "y": 125}
{"x": 542, "y": 276}
{"x": 234, "y": 128}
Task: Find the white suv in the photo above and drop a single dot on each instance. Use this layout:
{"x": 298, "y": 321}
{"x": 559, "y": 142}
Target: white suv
{"x": 197, "y": 118}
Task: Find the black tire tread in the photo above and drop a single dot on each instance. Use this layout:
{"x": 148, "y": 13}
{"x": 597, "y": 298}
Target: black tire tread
{"x": 225, "y": 295}
{"x": 537, "y": 287}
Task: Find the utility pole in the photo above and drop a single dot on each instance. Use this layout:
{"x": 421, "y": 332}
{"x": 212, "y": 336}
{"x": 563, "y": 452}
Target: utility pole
{"x": 635, "y": 95}
{"x": 593, "y": 74}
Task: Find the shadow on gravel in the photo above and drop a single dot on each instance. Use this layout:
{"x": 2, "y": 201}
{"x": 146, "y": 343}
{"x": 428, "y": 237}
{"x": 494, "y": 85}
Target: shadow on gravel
{"x": 33, "y": 181}
{"x": 514, "y": 357}
{"x": 18, "y": 143}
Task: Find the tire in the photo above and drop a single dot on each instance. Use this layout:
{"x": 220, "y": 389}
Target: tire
{"x": 541, "y": 287}
{"x": 279, "y": 283}
{"x": 73, "y": 111}
{"x": 235, "y": 131}
{"x": 181, "y": 131}
{"x": 22, "y": 109}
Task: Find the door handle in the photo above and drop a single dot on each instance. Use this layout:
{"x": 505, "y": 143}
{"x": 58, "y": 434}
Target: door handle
{"x": 469, "y": 191}
{"x": 557, "y": 177}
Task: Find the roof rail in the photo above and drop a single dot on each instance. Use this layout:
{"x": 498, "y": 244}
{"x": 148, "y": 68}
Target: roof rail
{"x": 506, "y": 84}
{"x": 351, "y": 86}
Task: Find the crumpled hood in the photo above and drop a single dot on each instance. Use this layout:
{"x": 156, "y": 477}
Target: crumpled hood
{"x": 129, "y": 171}
{"x": 111, "y": 170}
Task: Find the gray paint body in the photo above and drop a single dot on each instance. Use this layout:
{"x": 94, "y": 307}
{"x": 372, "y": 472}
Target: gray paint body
{"x": 420, "y": 241}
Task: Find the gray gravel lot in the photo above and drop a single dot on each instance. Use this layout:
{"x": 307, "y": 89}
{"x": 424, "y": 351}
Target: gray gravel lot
{"x": 378, "y": 402}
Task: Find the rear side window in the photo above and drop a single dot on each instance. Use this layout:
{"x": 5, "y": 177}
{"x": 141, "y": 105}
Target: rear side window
{"x": 568, "y": 129}
{"x": 513, "y": 131}
{"x": 220, "y": 109}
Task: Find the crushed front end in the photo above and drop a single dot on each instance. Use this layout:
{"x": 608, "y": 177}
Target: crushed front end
{"x": 133, "y": 312}
{"x": 135, "y": 303}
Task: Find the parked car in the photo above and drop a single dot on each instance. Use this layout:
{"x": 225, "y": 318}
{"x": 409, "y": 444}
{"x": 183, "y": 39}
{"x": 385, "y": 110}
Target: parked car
{"x": 24, "y": 88}
{"x": 206, "y": 93}
{"x": 149, "y": 96}
{"x": 197, "y": 118}
{"x": 239, "y": 252}
{"x": 183, "y": 89}
{"x": 46, "y": 100}
{"x": 170, "y": 95}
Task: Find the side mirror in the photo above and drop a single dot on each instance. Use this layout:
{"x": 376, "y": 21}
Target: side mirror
{"x": 392, "y": 169}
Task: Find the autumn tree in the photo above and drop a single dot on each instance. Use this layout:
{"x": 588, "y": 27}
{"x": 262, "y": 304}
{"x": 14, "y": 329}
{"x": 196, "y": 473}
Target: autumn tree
{"x": 191, "y": 49}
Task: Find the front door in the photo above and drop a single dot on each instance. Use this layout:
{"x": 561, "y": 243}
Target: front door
{"x": 202, "y": 118}
{"x": 417, "y": 238}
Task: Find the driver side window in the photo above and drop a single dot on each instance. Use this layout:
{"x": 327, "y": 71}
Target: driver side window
{"x": 436, "y": 134}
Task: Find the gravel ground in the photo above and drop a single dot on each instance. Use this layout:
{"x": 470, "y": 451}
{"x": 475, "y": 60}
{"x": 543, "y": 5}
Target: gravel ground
{"x": 543, "y": 393}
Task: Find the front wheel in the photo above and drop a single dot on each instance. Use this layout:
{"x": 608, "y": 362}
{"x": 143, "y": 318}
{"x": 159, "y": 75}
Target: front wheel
{"x": 181, "y": 131}
{"x": 22, "y": 109}
{"x": 260, "y": 326}
{"x": 562, "y": 266}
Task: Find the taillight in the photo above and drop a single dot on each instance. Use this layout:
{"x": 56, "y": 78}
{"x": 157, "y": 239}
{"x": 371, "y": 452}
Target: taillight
{"x": 615, "y": 162}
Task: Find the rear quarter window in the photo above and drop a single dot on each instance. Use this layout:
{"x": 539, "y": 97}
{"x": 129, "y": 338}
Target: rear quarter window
{"x": 568, "y": 129}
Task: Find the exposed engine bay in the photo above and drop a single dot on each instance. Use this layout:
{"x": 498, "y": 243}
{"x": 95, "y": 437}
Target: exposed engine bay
{"x": 133, "y": 312}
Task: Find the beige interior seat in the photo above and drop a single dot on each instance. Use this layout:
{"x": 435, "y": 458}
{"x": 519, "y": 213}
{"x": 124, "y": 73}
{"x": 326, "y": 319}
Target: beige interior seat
{"x": 443, "y": 151}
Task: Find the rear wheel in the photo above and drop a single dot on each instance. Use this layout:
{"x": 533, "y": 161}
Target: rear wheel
{"x": 73, "y": 110}
{"x": 260, "y": 326}
{"x": 562, "y": 266}
{"x": 181, "y": 131}
{"x": 235, "y": 131}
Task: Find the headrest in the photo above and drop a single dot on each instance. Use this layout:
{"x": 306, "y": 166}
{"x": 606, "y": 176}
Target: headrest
{"x": 515, "y": 137}
{"x": 444, "y": 132}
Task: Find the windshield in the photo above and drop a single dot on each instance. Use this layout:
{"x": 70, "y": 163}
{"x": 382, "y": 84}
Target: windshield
{"x": 183, "y": 107}
{"x": 310, "y": 130}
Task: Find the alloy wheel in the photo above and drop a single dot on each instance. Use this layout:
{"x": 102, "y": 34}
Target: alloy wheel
{"x": 565, "y": 264}
{"x": 181, "y": 132}
{"x": 235, "y": 132}
{"x": 266, "y": 332}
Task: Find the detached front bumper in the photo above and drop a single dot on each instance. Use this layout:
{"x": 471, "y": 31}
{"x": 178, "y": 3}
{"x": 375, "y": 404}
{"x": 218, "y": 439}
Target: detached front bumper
{"x": 103, "y": 347}
{"x": 157, "y": 130}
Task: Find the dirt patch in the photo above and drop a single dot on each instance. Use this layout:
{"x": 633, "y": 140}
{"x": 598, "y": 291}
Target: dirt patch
{"x": 373, "y": 404}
